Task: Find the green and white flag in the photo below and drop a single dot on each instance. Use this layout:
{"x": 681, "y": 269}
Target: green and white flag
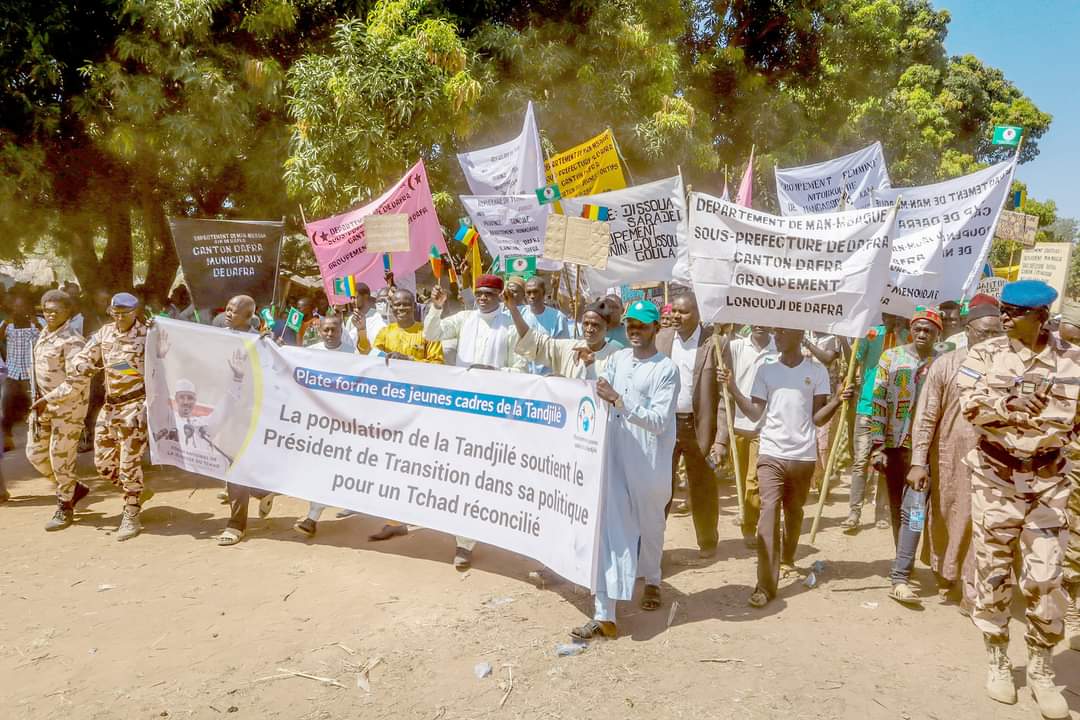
{"x": 267, "y": 314}
{"x": 548, "y": 194}
{"x": 1007, "y": 135}
{"x": 294, "y": 320}
{"x": 520, "y": 266}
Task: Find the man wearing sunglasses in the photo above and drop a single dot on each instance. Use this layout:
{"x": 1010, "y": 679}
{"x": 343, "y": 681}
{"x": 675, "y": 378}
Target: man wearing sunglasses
{"x": 118, "y": 349}
{"x": 1020, "y": 391}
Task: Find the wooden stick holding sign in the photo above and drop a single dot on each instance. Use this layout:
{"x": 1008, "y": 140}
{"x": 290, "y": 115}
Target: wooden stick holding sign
{"x": 830, "y": 464}
{"x": 729, "y": 413}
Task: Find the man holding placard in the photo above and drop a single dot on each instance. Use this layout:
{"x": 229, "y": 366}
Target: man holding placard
{"x": 790, "y": 396}
{"x": 640, "y": 386}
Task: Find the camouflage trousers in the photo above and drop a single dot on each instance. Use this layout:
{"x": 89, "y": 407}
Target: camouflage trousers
{"x": 1072, "y": 553}
{"x": 1035, "y": 524}
{"x": 119, "y": 444}
{"x": 53, "y": 449}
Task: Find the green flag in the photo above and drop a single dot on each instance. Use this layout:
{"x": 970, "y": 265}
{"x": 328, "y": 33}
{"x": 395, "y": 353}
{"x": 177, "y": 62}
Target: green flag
{"x": 267, "y": 314}
{"x": 548, "y": 193}
{"x": 519, "y": 266}
{"x": 1007, "y": 135}
{"x": 294, "y": 320}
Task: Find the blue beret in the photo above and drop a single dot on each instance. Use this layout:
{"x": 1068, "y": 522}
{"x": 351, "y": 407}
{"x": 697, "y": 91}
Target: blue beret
{"x": 1029, "y": 294}
{"x": 124, "y": 300}
{"x": 643, "y": 311}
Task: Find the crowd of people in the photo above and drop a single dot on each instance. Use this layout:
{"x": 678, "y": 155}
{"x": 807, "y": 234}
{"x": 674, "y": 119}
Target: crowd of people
{"x": 962, "y": 420}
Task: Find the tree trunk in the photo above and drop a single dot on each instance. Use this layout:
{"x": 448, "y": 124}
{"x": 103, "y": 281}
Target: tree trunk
{"x": 76, "y": 236}
{"x": 161, "y": 255}
{"x": 118, "y": 260}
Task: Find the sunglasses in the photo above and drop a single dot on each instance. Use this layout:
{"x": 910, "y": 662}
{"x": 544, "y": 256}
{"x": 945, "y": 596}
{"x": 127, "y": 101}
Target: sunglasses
{"x": 1016, "y": 311}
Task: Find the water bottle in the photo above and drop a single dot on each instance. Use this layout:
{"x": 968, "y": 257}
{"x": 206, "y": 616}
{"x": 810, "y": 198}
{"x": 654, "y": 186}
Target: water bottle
{"x": 917, "y": 512}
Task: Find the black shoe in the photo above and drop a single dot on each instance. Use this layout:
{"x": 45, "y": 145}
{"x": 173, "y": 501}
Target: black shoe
{"x": 62, "y": 518}
{"x": 81, "y": 491}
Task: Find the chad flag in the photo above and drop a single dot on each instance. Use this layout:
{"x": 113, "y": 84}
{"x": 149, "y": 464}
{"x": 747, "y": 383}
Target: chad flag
{"x": 595, "y": 212}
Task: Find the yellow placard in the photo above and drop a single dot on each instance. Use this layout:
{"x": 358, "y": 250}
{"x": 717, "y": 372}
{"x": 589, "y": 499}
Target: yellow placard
{"x": 590, "y": 168}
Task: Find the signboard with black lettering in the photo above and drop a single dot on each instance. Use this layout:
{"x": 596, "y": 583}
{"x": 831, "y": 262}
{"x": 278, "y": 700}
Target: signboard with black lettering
{"x": 223, "y": 258}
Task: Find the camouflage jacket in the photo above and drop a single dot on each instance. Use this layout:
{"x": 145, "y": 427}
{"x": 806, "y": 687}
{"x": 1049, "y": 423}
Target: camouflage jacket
{"x": 54, "y": 373}
{"x": 121, "y": 357}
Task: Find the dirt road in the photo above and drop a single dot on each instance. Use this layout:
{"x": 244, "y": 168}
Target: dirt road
{"x": 171, "y": 625}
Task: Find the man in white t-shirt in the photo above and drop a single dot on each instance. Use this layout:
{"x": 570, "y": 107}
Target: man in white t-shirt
{"x": 744, "y": 355}
{"x": 790, "y": 395}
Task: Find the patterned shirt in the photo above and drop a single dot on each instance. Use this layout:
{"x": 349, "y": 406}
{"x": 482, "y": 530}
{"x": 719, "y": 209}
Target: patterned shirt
{"x": 1000, "y": 367}
{"x": 408, "y": 341}
{"x": 20, "y": 341}
{"x": 54, "y": 372}
{"x": 900, "y": 372}
{"x": 121, "y": 355}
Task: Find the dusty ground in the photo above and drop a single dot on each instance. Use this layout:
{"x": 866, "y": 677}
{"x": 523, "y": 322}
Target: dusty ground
{"x": 170, "y": 625}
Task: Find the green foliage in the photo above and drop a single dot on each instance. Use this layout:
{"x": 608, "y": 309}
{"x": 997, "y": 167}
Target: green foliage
{"x": 115, "y": 114}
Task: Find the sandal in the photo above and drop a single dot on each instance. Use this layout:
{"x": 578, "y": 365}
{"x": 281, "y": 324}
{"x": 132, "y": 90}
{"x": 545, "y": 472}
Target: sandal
{"x": 266, "y": 504}
{"x": 594, "y": 628}
{"x": 229, "y": 537}
{"x": 388, "y": 531}
{"x": 758, "y": 599}
{"x": 650, "y": 599}
{"x": 903, "y": 594}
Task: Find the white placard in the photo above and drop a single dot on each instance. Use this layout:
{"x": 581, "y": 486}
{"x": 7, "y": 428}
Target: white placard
{"x": 512, "y": 460}
{"x": 386, "y": 233}
{"x": 807, "y": 272}
{"x": 818, "y": 188}
{"x": 515, "y": 167}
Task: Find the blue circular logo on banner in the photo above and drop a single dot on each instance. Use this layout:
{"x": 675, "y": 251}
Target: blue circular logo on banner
{"x": 586, "y": 415}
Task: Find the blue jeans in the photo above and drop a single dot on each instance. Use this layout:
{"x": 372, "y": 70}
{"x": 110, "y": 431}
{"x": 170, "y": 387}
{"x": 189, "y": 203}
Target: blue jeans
{"x": 907, "y": 541}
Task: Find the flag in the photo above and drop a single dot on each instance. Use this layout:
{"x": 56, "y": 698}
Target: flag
{"x": 1018, "y": 199}
{"x": 746, "y": 188}
{"x": 595, "y": 212}
{"x": 509, "y": 168}
{"x": 1007, "y": 135}
{"x": 436, "y": 263}
{"x": 520, "y": 266}
{"x": 387, "y": 263}
{"x": 294, "y": 320}
{"x": 467, "y": 235}
{"x": 124, "y": 368}
{"x": 474, "y": 262}
{"x": 267, "y": 314}
{"x": 451, "y": 271}
{"x": 345, "y": 286}
{"x": 548, "y": 193}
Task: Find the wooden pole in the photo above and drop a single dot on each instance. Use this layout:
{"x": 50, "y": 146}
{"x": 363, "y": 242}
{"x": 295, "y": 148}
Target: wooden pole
{"x": 729, "y": 412}
{"x": 831, "y": 462}
{"x": 577, "y": 297}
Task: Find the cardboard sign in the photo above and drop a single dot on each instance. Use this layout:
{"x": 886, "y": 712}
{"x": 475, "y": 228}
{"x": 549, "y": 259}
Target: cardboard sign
{"x": 577, "y": 240}
{"x": 387, "y": 233}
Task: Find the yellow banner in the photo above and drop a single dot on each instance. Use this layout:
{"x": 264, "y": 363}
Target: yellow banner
{"x": 590, "y": 168}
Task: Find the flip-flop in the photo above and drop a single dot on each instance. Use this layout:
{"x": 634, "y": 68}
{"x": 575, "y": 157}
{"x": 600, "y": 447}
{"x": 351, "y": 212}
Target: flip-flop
{"x": 388, "y": 531}
{"x": 266, "y": 504}
{"x": 902, "y": 593}
{"x": 650, "y": 598}
{"x": 229, "y": 537}
{"x": 594, "y": 629}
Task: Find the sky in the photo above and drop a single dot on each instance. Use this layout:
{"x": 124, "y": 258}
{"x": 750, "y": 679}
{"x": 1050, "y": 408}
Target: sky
{"x": 1036, "y": 45}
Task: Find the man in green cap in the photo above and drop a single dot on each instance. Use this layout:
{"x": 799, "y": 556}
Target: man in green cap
{"x": 639, "y": 386}
{"x": 1070, "y": 332}
{"x": 1020, "y": 392}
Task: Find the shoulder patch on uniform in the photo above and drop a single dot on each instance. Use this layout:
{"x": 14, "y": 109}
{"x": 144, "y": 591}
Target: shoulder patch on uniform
{"x": 973, "y": 374}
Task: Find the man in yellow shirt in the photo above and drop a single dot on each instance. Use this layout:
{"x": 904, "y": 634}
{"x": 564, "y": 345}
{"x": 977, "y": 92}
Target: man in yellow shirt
{"x": 402, "y": 339}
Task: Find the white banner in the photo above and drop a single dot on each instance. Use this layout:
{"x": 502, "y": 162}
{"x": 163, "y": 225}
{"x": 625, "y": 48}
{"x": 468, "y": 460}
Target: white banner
{"x": 511, "y": 460}
{"x": 807, "y": 272}
{"x": 511, "y": 225}
{"x": 943, "y": 235}
{"x": 515, "y": 167}
{"x": 818, "y": 188}
{"x": 648, "y": 233}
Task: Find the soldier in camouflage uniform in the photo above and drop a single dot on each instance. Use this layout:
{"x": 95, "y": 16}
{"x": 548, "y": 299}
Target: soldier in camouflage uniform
{"x": 1020, "y": 392}
{"x": 1070, "y": 333}
{"x": 59, "y": 407}
{"x": 120, "y": 433}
